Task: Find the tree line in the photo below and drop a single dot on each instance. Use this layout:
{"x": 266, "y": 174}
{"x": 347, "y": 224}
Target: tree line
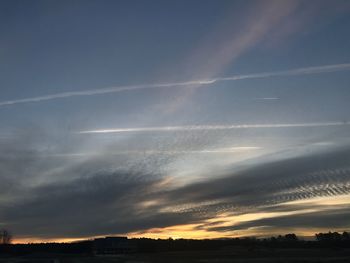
{"x": 145, "y": 245}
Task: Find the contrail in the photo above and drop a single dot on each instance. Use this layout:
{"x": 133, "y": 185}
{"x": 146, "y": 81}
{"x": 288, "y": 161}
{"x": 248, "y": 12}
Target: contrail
{"x": 267, "y": 98}
{"x": 236, "y": 149}
{"x": 213, "y": 127}
{"x": 292, "y": 72}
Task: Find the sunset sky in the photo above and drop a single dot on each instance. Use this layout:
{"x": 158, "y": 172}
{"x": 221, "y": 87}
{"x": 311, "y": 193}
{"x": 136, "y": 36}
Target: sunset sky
{"x": 183, "y": 119}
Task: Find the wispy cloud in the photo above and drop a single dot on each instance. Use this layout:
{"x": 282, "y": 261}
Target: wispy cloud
{"x": 91, "y": 92}
{"x": 235, "y": 149}
{"x": 214, "y": 127}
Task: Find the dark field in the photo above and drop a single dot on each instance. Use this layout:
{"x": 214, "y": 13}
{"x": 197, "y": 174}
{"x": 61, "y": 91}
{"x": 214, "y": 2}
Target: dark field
{"x": 224, "y": 255}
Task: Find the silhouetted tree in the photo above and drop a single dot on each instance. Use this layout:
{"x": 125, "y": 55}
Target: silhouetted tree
{"x": 5, "y": 237}
{"x": 329, "y": 237}
{"x": 291, "y": 237}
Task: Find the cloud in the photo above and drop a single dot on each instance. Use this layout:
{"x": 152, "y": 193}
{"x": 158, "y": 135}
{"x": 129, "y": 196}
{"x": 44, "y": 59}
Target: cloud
{"x": 191, "y": 83}
{"x": 330, "y": 219}
{"x": 214, "y": 127}
{"x": 158, "y": 152}
{"x": 93, "y": 197}
{"x": 323, "y": 174}
{"x": 83, "y": 207}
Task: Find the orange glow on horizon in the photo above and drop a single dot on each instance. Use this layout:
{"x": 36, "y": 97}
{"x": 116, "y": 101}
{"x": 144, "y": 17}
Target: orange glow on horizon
{"x": 201, "y": 230}
{"x": 184, "y": 232}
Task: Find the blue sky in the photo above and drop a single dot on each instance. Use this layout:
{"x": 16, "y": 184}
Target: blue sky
{"x": 161, "y": 97}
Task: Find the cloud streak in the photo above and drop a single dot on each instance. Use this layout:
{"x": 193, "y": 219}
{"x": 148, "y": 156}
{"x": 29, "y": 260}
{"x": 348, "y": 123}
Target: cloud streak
{"x": 170, "y": 152}
{"x": 214, "y": 127}
{"x": 92, "y": 92}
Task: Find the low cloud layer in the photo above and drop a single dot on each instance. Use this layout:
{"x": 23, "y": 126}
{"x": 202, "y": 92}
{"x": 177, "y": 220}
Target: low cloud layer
{"x": 92, "y": 197}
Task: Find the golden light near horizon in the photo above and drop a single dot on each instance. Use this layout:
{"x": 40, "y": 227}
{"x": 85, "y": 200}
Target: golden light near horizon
{"x": 200, "y": 230}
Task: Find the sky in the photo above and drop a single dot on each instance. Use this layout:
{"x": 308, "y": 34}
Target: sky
{"x": 182, "y": 119}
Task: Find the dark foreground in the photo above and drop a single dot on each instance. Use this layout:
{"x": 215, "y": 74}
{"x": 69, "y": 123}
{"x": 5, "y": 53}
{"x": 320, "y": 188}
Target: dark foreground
{"x": 218, "y": 256}
{"x": 327, "y": 247}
